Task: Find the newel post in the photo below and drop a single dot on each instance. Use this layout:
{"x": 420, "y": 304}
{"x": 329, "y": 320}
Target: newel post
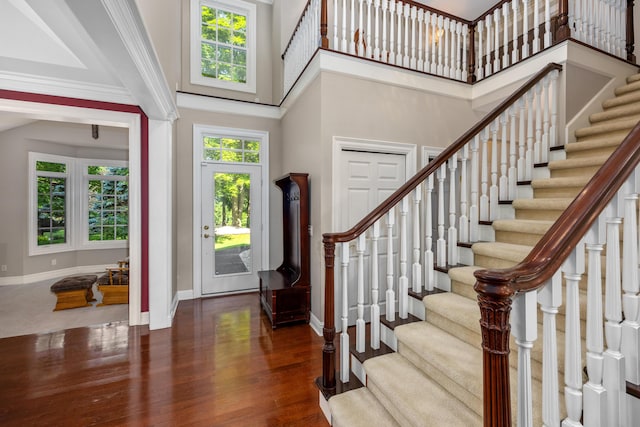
{"x": 329, "y": 330}
{"x": 323, "y": 24}
{"x": 563, "y": 31}
{"x": 495, "y": 299}
{"x": 630, "y": 32}
{"x": 471, "y": 61}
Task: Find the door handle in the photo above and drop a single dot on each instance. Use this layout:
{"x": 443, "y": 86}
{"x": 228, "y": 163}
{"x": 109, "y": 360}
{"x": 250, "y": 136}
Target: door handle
{"x": 206, "y": 236}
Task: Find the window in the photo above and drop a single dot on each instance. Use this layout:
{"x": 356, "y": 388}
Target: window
{"x": 223, "y": 44}
{"x": 230, "y": 149}
{"x": 77, "y": 204}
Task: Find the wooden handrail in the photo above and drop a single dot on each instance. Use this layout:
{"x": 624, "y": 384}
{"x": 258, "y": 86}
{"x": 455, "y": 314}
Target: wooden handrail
{"x": 435, "y": 164}
{"x": 328, "y": 383}
{"x": 496, "y": 288}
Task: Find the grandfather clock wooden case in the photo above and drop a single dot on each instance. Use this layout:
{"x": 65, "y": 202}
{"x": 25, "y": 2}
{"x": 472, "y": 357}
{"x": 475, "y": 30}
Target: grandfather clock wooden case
{"x": 285, "y": 293}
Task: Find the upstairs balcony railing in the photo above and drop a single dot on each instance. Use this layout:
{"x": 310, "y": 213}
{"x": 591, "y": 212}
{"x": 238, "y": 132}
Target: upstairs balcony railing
{"x": 413, "y": 36}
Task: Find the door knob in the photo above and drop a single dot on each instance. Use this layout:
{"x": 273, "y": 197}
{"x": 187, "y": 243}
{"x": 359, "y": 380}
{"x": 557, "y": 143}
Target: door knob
{"x": 206, "y": 236}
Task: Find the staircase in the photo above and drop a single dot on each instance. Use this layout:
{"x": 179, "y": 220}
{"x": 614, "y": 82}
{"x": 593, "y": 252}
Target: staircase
{"x": 435, "y": 377}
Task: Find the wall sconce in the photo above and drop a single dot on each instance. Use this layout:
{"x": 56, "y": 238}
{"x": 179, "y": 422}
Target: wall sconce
{"x": 95, "y": 132}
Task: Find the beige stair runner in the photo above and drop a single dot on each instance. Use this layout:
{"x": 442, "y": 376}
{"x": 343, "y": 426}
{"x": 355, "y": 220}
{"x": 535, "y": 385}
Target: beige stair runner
{"x": 435, "y": 378}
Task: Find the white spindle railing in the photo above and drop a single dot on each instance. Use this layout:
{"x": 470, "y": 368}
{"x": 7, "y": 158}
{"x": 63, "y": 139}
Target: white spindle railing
{"x": 600, "y": 23}
{"x": 303, "y": 44}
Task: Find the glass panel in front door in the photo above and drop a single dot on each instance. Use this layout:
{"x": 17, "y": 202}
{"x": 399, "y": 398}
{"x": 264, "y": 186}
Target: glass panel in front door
{"x": 232, "y": 208}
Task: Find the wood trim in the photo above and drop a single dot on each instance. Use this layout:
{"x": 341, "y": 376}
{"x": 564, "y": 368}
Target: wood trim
{"x": 630, "y": 33}
{"x": 563, "y": 30}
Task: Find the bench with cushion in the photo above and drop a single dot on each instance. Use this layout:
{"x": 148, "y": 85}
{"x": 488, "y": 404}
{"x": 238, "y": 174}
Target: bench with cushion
{"x": 74, "y": 291}
{"x": 114, "y": 285}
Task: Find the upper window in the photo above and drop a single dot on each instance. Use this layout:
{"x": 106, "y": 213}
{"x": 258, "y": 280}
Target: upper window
{"x": 77, "y": 204}
{"x": 223, "y": 47}
{"x": 230, "y": 149}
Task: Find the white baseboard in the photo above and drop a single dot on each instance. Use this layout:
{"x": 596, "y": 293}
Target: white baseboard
{"x": 185, "y": 295}
{"x": 144, "y": 318}
{"x": 324, "y": 407}
{"x": 316, "y": 324}
{"x": 53, "y": 274}
{"x": 174, "y": 307}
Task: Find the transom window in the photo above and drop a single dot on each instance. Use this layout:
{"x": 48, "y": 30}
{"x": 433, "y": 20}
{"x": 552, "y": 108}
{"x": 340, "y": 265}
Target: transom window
{"x": 230, "y": 149}
{"x": 77, "y": 204}
{"x": 223, "y": 48}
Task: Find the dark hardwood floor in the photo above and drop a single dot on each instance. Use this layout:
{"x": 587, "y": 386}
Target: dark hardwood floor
{"x": 220, "y": 364}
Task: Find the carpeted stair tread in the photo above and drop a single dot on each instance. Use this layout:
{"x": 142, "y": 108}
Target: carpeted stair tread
{"x": 462, "y": 281}
{"x": 610, "y": 142}
{"x": 358, "y": 408}
{"x": 611, "y": 126}
{"x": 542, "y": 204}
{"x": 577, "y": 163}
{"x": 457, "y": 314}
{"x": 505, "y": 251}
{"x": 522, "y": 225}
{"x": 561, "y": 182}
{"x": 633, "y": 78}
{"x": 615, "y": 113}
{"x": 628, "y": 98}
{"x": 628, "y": 88}
{"x": 411, "y": 397}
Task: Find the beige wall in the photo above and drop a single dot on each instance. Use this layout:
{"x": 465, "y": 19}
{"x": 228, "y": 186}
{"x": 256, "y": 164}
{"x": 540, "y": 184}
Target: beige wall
{"x": 581, "y": 86}
{"x": 14, "y": 147}
{"x": 184, "y": 193}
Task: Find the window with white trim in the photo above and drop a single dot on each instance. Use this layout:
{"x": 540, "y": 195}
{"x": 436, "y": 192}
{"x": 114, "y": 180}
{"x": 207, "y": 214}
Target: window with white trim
{"x": 77, "y": 204}
{"x": 223, "y": 44}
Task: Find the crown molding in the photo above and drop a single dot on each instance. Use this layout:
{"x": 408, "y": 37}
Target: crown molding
{"x": 228, "y": 106}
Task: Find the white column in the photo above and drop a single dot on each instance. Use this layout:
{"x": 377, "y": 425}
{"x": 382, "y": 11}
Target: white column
{"x": 360, "y": 322}
{"x": 344, "y": 336}
{"x": 524, "y": 326}
{"x": 390, "y": 295}
{"x": 442, "y": 243}
{"x": 403, "y": 281}
{"x": 550, "y": 298}
{"x": 375, "y": 305}
{"x": 429, "y": 275}
{"x": 416, "y": 268}
{"x": 452, "y": 235}
{"x": 474, "y": 215}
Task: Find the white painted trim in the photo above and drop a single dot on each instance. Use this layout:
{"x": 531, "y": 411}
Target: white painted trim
{"x": 227, "y": 106}
{"x": 316, "y": 325}
{"x": 341, "y": 143}
{"x": 128, "y": 23}
{"x": 427, "y": 152}
{"x": 263, "y": 136}
{"x": 195, "y": 40}
{"x": 144, "y": 318}
{"x": 185, "y": 295}
{"x": 117, "y": 119}
{"x": 53, "y": 274}
{"x": 174, "y": 308}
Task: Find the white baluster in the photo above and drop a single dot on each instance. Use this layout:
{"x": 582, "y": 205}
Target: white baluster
{"x": 403, "y": 281}
{"x": 452, "y": 234}
{"x": 536, "y": 26}
{"x": 544, "y": 148}
{"x": 392, "y": 20}
{"x": 446, "y": 47}
{"x": 420, "y": 64}
{"x": 573, "y": 269}
{"x": 522, "y": 162}
{"x": 529, "y": 152}
{"x": 475, "y": 185}
{"x": 390, "y": 295}
{"x": 406, "y": 59}
{"x": 550, "y": 298}
{"x": 537, "y": 146}
{"x": 514, "y": 52}
{"x": 369, "y": 47}
{"x": 343, "y": 42}
{"x": 427, "y": 41}
{"x": 360, "y": 323}
{"x": 434, "y": 38}
{"x": 399, "y": 35}
{"x": 505, "y": 38}
{"x": 361, "y": 49}
{"x": 593, "y": 391}
{"x": 484, "y": 196}
{"x": 465, "y": 52}
{"x": 525, "y": 29}
{"x": 503, "y": 183}
{"x": 375, "y": 305}
{"x": 630, "y": 346}
{"x": 416, "y": 268}
{"x": 384, "y": 53}
{"x": 438, "y": 32}
{"x": 458, "y": 73}
{"x": 429, "y": 275}
{"x": 464, "y": 219}
{"x": 496, "y": 43}
{"x": 376, "y": 50}
{"x": 352, "y": 37}
{"x": 344, "y": 336}
{"x": 479, "y": 67}
{"x": 614, "y": 364}
{"x": 441, "y": 247}
{"x": 525, "y": 331}
{"x": 452, "y": 56}
{"x": 487, "y": 65}
{"x": 553, "y": 130}
{"x": 547, "y": 24}
{"x": 336, "y": 43}
{"x": 576, "y": 8}
{"x": 512, "y": 175}
{"x": 607, "y": 25}
{"x": 591, "y": 37}
{"x": 493, "y": 190}
{"x": 621, "y": 33}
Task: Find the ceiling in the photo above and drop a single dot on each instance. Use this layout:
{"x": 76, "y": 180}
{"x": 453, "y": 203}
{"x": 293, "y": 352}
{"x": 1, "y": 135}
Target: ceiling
{"x": 466, "y": 9}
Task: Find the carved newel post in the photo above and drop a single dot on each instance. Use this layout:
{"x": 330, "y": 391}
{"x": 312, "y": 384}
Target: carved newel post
{"x": 563, "y": 30}
{"x": 329, "y": 330}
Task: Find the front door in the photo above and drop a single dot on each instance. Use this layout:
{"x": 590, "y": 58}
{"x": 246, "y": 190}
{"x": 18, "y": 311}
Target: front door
{"x": 231, "y": 228}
